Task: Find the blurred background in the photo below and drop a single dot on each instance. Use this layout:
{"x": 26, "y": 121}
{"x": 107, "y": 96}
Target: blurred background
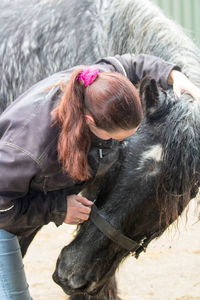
{"x": 184, "y": 12}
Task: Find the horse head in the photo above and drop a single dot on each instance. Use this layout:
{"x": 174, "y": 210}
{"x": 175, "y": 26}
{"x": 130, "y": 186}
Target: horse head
{"x": 146, "y": 190}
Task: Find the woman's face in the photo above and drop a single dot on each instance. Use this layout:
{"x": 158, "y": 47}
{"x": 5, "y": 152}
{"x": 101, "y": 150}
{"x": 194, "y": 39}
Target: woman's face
{"x": 119, "y": 134}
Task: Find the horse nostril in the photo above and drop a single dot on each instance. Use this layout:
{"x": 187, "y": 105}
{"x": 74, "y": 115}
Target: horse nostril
{"x": 78, "y": 283}
{"x": 72, "y": 283}
{"x": 92, "y": 275}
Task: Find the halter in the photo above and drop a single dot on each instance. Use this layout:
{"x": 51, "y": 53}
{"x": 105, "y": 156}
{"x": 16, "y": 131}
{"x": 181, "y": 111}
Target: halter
{"x": 116, "y": 236}
{"x": 133, "y": 247}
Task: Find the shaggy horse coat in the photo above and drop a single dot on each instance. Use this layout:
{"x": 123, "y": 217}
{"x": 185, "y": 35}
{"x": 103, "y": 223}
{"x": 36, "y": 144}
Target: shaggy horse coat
{"x": 50, "y": 36}
{"x": 54, "y": 35}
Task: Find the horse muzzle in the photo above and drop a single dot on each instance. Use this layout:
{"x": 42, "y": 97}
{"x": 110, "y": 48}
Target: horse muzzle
{"x": 76, "y": 285}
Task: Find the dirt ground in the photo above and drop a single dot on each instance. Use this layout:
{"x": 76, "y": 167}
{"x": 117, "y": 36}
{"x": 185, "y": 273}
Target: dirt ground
{"x": 169, "y": 270}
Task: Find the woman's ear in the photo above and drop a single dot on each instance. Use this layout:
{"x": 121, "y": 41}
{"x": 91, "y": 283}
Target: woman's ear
{"x": 89, "y": 120}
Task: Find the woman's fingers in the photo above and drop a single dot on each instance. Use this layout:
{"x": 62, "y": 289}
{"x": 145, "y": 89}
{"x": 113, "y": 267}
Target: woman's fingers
{"x": 82, "y": 217}
{"x": 84, "y": 200}
{"x": 195, "y": 93}
{"x": 192, "y": 91}
{"x": 181, "y": 85}
{"x": 85, "y": 209}
{"x": 78, "y": 209}
{"x": 85, "y": 205}
{"x": 79, "y": 219}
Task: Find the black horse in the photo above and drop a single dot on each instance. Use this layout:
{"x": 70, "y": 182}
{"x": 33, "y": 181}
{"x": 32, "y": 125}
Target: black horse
{"x": 157, "y": 173}
{"x": 149, "y": 187}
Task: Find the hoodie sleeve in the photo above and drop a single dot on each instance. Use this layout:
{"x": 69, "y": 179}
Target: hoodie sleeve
{"x": 21, "y": 211}
{"x": 135, "y": 67}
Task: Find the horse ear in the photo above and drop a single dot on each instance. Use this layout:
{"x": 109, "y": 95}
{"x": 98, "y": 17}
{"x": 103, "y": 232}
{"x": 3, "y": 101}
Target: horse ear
{"x": 149, "y": 95}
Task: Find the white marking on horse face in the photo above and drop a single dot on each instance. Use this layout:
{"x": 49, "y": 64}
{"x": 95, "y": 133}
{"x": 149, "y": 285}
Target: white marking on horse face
{"x": 150, "y": 160}
{"x": 152, "y": 110}
{"x": 154, "y": 152}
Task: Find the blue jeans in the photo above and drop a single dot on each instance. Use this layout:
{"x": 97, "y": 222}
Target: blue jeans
{"x": 13, "y": 284}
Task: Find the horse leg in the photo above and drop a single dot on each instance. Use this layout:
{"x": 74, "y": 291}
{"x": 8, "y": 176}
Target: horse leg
{"x": 108, "y": 293}
{"x": 25, "y": 241}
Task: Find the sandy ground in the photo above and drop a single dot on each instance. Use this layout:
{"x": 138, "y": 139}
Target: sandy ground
{"x": 169, "y": 270}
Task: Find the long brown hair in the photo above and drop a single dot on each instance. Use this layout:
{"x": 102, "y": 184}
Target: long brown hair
{"x": 111, "y": 100}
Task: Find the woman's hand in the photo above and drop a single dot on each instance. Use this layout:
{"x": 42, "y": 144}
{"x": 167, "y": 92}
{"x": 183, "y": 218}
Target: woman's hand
{"x": 78, "y": 209}
{"x": 181, "y": 84}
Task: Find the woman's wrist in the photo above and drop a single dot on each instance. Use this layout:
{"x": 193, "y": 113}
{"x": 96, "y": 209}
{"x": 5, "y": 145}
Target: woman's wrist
{"x": 172, "y": 75}
{"x": 181, "y": 84}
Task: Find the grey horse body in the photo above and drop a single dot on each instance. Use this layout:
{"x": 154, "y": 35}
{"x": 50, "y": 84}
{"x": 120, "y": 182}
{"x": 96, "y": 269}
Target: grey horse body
{"x": 141, "y": 27}
{"x": 38, "y": 38}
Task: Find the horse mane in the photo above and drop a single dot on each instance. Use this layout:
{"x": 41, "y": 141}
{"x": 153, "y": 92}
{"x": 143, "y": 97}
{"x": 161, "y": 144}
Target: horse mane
{"x": 179, "y": 178}
{"x": 146, "y": 30}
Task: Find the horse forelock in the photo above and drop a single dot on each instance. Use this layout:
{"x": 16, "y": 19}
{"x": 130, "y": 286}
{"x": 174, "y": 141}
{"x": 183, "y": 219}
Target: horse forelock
{"x": 180, "y": 139}
{"x": 171, "y": 153}
{"x": 179, "y": 174}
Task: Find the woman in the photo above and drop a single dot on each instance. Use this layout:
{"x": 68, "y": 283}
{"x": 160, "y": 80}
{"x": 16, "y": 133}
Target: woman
{"x": 52, "y": 139}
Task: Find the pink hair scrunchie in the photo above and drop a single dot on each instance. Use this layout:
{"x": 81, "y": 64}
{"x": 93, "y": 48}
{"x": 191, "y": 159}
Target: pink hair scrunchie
{"x": 88, "y": 75}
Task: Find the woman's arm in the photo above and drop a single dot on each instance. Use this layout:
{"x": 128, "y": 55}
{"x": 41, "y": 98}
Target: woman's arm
{"x": 166, "y": 74}
{"x": 20, "y": 209}
{"x": 137, "y": 67}
{"x": 181, "y": 84}
{"x": 37, "y": 209}
{"x": 34, "y": 210}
